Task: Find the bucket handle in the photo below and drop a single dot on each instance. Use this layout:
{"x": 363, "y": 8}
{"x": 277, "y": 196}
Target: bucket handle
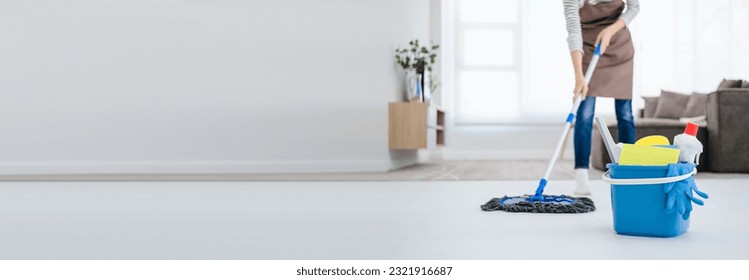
{"x": 646, "y": 181}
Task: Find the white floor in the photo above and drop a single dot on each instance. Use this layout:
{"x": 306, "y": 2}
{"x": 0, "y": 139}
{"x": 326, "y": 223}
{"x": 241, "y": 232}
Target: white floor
{"x": 340, "y": 220}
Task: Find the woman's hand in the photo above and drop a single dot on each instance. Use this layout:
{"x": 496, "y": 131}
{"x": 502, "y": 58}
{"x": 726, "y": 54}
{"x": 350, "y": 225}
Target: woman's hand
{"x": 604, "y": 38}
{"x": 581, "y": 88}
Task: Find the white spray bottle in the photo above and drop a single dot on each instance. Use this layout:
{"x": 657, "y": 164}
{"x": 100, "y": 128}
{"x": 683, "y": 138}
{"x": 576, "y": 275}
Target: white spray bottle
{"x": 690, "y": 148}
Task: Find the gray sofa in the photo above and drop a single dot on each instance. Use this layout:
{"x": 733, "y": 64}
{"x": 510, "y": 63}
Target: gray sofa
{"x": 724, "y": 134}
{"x": 728, "y": 130}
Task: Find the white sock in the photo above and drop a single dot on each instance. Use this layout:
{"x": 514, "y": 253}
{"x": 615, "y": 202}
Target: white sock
{"x": 581, "y": 176}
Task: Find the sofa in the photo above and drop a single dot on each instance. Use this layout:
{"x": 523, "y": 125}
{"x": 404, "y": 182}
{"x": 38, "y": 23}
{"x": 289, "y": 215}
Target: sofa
{"x": 722, "y": 116}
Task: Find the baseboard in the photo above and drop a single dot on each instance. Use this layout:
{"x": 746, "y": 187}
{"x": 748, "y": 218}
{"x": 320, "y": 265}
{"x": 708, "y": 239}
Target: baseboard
{"x": 430, "y": 155}
{"x": 198, "y": 167}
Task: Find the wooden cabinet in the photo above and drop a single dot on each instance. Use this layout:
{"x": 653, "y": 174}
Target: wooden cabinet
{"x": 414, "y": 125}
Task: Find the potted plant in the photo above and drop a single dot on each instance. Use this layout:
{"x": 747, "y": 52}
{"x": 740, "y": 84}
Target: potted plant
{"x": 417, "y": 62}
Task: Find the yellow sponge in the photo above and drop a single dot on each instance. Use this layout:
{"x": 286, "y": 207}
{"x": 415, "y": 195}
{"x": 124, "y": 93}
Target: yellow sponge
{"x": 633, "y": 154}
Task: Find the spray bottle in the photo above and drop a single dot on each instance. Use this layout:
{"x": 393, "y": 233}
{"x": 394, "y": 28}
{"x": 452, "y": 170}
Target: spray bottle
{"x": 690, "y": 148}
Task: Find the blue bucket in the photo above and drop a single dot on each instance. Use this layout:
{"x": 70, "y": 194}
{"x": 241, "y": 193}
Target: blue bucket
{"x": 638, "y": 201}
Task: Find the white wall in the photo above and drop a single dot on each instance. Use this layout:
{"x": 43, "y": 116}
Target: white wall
{"x": 162, "y": 86}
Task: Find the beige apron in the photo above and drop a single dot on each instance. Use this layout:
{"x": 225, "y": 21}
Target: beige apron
{"x": 613, "y": 75}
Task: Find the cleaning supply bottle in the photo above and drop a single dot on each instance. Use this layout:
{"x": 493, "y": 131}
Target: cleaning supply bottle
{"x": 689, "y": 147}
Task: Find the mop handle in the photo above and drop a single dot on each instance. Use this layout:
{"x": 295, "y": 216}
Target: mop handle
{"x": 568, "y": 122}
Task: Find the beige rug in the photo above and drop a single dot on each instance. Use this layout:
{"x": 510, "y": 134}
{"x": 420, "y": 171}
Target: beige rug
{"x": 449, "y": 170}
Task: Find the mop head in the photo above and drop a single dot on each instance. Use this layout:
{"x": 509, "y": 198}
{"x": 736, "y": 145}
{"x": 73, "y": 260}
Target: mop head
{"x": 558, "y": 204}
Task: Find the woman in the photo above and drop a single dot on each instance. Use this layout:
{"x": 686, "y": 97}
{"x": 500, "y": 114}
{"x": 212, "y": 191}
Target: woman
{"x": 590, "y": 22}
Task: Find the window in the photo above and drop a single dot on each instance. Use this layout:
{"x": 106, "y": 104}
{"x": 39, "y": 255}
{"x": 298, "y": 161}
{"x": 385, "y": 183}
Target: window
{"x": 510, "y": 64}
{"x": 488, "y": 71}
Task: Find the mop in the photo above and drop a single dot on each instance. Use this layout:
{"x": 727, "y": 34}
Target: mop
{"x": 538, "y": 202}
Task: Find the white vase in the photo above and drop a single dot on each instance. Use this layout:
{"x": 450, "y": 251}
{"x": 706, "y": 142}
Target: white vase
{"x": 413, "y": 86}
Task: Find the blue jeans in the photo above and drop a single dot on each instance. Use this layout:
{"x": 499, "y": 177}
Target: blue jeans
{"x": 584, "y": 127}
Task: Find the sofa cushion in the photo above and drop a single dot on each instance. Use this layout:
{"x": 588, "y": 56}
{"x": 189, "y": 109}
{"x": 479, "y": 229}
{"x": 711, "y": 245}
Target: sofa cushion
{"x": 663, "y": 123}
{"x": 729, "y": 84}
{"x": 671, "y": 105}
{"x": 696, "y": 106}
{"x": 744, "y": 84}
{"x": 658, "y": 123}
{"x": 651, "y": 103}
